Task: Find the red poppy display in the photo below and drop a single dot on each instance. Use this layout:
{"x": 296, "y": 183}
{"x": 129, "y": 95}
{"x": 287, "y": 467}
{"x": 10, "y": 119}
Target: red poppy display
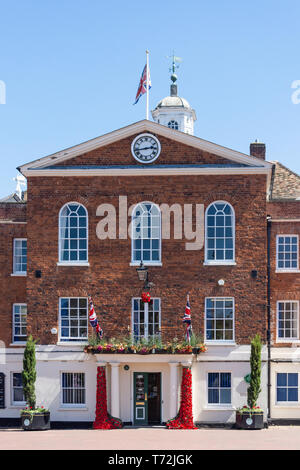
{"x": 184, "y": 418}
{"x": 146, "y": 297}
{"x": 103, "y": 419}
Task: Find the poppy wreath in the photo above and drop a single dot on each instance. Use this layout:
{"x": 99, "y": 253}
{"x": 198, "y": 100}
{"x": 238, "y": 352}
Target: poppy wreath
{"x": 146, "y": 297}
{"x": 103, "y": 419}
{"x": 184, "y": 418}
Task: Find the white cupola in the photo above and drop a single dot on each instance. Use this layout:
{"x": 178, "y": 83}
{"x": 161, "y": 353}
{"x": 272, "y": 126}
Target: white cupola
{"x": 175, "y": 112}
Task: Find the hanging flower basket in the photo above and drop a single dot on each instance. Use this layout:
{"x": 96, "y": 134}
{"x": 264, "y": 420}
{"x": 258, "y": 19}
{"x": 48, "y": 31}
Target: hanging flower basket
{"x": 146, "y": 297}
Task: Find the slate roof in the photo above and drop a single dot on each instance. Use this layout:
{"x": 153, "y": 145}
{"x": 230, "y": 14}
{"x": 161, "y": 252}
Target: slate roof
{"x": 14, "y": 198}
{"x": 285, "y": 184}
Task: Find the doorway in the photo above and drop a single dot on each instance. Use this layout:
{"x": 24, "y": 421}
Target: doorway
{"x": 147, "y": 398}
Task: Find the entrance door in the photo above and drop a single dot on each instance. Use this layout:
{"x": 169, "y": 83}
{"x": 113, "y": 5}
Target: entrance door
{"x": 147, "y": 398}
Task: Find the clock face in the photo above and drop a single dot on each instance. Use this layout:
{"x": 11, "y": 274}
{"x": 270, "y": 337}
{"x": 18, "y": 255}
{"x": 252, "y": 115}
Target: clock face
{"x": 145, "y": 148}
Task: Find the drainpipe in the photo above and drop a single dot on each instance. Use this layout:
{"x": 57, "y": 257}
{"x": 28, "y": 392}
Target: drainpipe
{"x": 269, "y": 224}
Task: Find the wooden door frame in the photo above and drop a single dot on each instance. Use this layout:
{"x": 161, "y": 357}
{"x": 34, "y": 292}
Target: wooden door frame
{"x": 133, "y": 393}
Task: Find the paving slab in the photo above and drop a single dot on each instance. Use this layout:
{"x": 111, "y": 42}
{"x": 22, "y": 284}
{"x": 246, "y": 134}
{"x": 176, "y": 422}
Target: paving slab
{"x": 276, "y": 437}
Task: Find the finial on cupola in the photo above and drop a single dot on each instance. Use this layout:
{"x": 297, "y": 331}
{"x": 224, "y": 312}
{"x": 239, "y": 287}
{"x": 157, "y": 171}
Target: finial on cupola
{"x": 175, "y": 60}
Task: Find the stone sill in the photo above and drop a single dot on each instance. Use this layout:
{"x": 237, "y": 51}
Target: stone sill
{"x": 19, "y": 275}
{"x": 71, "y": 343}
{"x": 229, "y": 263}
{"x": 219, "y": 343}
{"x": 145, "y": 263}
{"x": 291, "y": 405}
{"x": 287, "y": 271}
{"x": 219, "y": 408}
{"x": 73, "y": 408}
{"x": 73, "y": 264}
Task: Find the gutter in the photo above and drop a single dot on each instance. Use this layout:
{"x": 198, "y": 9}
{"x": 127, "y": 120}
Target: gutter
{"x": 269, "y": 225}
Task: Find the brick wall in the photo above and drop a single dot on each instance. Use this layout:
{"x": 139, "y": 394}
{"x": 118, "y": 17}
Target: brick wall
{"x": 119, "y": 153}
{"x": 12, "y": 289}
{"x": 284, "y": 286}
{"x": 111, "y": 280}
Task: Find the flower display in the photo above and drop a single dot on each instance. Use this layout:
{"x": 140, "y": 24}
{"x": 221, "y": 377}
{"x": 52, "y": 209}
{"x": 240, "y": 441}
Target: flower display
{"x": 184, "y": 418}
{"x": 146, "y": 297}
{"x": 103, "y": 419}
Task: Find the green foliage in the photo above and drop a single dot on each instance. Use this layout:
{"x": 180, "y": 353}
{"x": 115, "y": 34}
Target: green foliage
{"x": 29, "y": 373}
{"x": 28, "y": 411}
{"x": 255, "y": 364}
{"x": 128, "y": 344}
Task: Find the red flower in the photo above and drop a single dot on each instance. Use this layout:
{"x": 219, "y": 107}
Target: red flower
{"x": 184, "y": 419}
{"x": 146, "y": 298}
{"x": 103, "y": 419}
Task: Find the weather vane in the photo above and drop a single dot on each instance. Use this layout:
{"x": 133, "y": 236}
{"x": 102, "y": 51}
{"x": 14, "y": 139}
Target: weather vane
{"x": 175, "y": 60}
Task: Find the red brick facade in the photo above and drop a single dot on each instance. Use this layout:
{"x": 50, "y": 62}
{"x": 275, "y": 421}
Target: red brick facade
{"x": 110, "y": 278}
{"x": 12, "y": 289}
{"x": 284, "y": 286}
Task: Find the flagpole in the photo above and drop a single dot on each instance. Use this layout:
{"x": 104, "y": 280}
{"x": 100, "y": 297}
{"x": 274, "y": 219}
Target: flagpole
{"x": 147, "y": 86}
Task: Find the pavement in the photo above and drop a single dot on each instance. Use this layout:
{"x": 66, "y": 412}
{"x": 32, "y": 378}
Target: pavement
{"x": 274, "y": 438}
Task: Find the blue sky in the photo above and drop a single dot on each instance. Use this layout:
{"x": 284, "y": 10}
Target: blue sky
{"x": 71, "y": 69}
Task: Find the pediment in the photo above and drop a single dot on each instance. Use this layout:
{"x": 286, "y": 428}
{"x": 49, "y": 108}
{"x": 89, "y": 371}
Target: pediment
{"x": 113, "y": 150}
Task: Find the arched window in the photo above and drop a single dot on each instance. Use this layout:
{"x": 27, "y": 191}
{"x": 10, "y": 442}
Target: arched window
{"x": 220, "y": 233}
{"x": 173, "y": 125}
{"x": 73, "y": 233}
{"x": 146, "y": 233}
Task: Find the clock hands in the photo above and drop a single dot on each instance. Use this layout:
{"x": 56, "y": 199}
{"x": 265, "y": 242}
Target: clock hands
{"x": 146, "y": 148}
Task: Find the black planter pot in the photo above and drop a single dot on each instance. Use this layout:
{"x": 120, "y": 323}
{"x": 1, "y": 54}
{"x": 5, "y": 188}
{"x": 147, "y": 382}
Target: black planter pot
{"x": 249, "y": 420}
{"x": 36, "y": 422}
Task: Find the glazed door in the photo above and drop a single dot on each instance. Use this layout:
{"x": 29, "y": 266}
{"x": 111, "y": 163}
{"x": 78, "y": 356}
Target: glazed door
{"x": 140, "y": 398}
{"x": 147, "y": 398}
{"x": 154, "y": 398}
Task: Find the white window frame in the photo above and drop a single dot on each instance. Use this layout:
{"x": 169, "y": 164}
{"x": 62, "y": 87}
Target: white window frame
{"x": 13, "y": 402}
{"x": 286, "y": 402}
{"x": 219, "y": 262}
{"x": 62, "y": 262}
{"x": 72, "y": 405}
{"x": 220, "y": 341}
{"x": 291, "y": 339}
{"x": 286, "y": 270}
{"x": 146, "y": 262}
{"x": 14, "y": 324}
{"x": 174, "y": 124}
{"x": 67, "y": 340}
{"x": 219, "y": 405}
{"x": 15, "y": 272}
{"x": 146, "y": 318}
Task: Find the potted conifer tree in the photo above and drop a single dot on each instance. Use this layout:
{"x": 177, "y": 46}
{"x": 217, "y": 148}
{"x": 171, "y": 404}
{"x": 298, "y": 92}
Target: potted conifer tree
{"x": 33, "y": 418}
{"x": 251, "y": 416}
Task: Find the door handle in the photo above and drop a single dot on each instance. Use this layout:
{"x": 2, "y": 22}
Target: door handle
{"x": 145, "y": 396}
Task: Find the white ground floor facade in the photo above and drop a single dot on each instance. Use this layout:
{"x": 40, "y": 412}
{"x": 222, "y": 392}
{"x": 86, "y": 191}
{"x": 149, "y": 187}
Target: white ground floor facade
{"x": 146, "y": 388}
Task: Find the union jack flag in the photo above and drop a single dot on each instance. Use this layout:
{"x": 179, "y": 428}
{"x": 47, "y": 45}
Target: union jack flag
{"x": 93, "y": 319}
{"x": 187, "y": 321}
{"x": 142, "y": 88}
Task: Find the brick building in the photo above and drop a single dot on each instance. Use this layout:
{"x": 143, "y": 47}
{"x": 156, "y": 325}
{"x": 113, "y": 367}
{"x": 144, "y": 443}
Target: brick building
{"x": 52, "y": 258}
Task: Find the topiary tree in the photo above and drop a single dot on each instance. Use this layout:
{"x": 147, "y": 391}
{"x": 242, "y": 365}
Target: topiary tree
{"x": 29, "y": 373}
{"x": 255, "y": 363}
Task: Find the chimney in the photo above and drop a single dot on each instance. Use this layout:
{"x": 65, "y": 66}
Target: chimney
{"x": 258, "y": 150}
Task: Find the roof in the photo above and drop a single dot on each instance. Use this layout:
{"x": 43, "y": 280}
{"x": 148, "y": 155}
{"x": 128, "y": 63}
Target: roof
{"x": 173, "y": 101}
{"x": 14, "y": 198}
{"x": 285, "y": 184}
{"x": 132, "y": 129}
